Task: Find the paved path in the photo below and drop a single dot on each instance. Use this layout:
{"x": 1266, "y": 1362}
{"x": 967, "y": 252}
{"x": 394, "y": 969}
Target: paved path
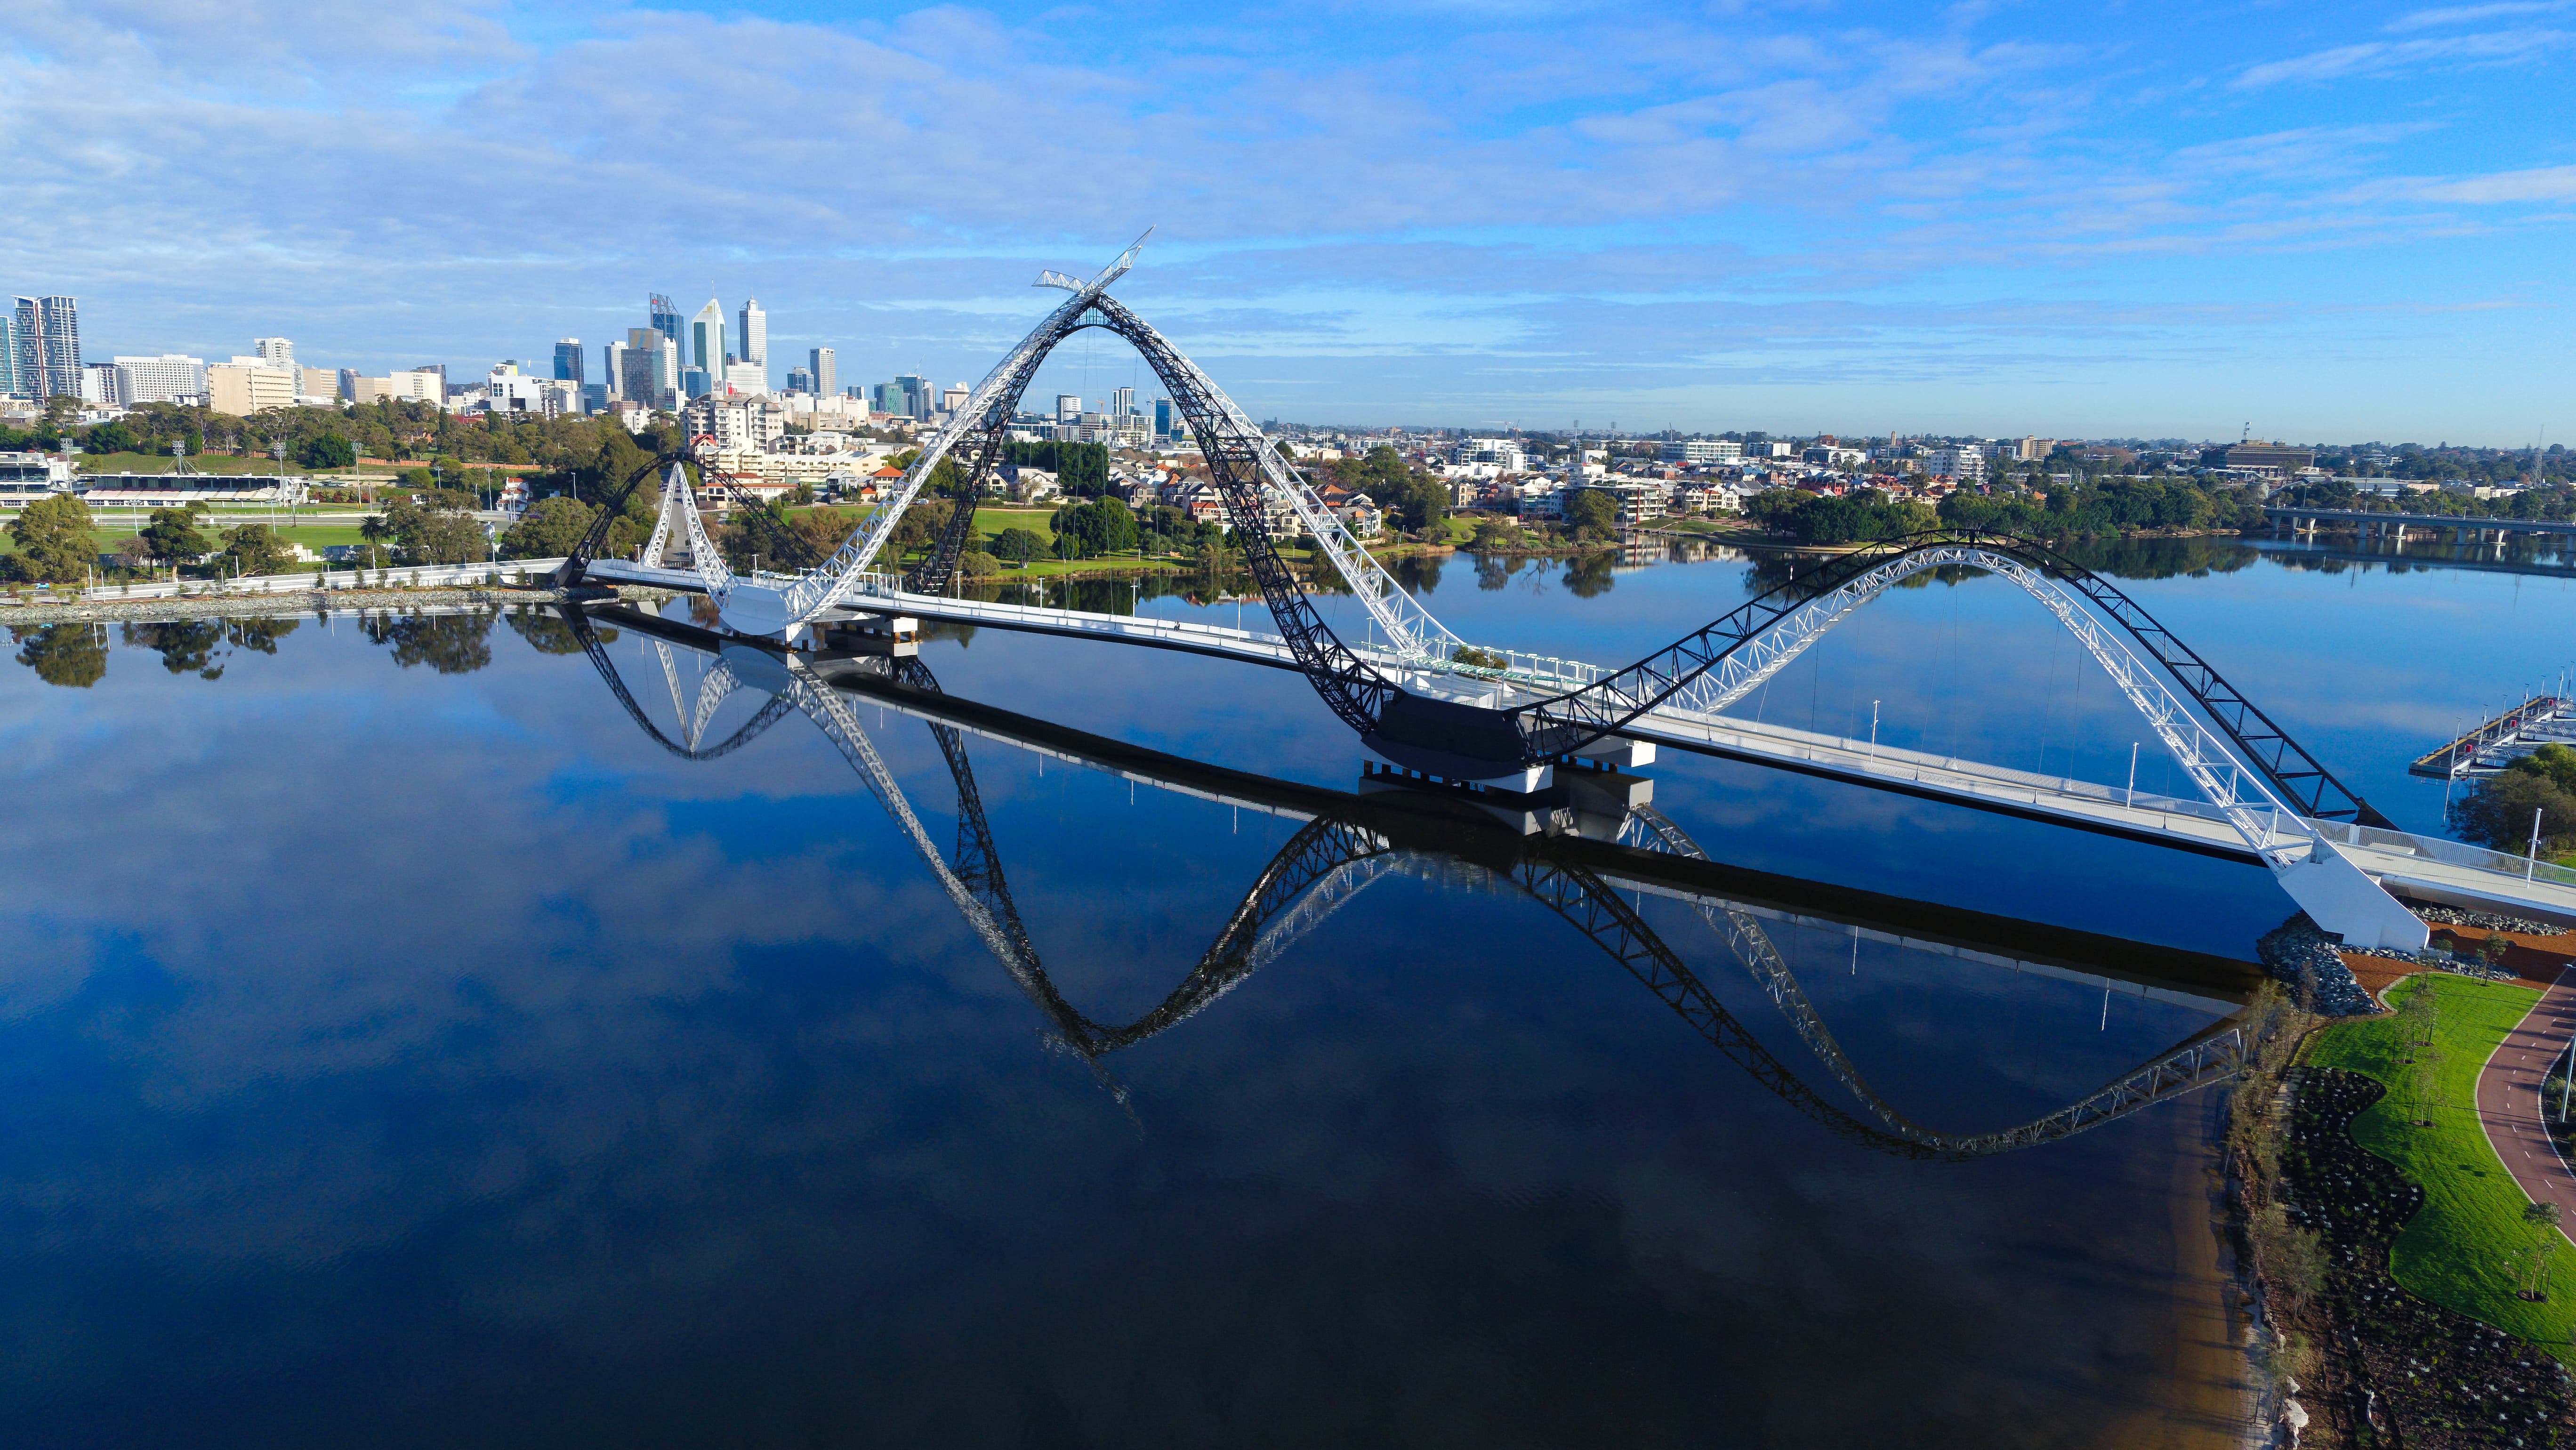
{"x": 2508, "y": 1099}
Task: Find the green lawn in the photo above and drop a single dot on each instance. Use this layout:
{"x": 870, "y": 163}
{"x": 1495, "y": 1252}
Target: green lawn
{"x": 2460, "y": 1248}
{"x": 202, "y": 462}
{"x": 991, "y": 522}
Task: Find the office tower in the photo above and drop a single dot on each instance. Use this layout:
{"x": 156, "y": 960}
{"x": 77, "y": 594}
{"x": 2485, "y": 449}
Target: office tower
{"x": 652, "y": 368}
{"x": 800, "y": 380}
{"x": 890, "y": 399}
{"x": 704, "y": 348}
{"x": 1068, "y": 407}
{"x": 955, "y": 399}
{"x": 163, "y": 379}
{"x": 348, "y": 385}
{"x": 45, "y": 347}
{"x": 916, "y": 394}
{"x": 1122, "y": 403}
{"x": 438, "y": 368}
{"x": 827, "y": 376}
{"x": 612, "y": 366}
{"x": 275, "y": 352}
{"x": 666, "y": 320}
{"x": 568, "y": 359}
{"x": 753, "y": 339}
{"x": 1163, "y": 421}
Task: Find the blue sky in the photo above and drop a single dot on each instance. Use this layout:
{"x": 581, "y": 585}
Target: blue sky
{"x": 2343, "y": 222}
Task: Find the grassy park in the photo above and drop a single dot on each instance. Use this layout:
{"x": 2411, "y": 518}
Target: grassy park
{"x": 2464, "y": 1249}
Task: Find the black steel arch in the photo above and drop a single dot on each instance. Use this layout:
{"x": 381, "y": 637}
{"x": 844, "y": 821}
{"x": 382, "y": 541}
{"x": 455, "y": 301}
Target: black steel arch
{"x": 1561, "y": 723}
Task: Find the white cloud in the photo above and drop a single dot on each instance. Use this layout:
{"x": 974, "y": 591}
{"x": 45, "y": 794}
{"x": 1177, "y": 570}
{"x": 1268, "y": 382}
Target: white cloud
{"x": 2540, "y": 184}
{"x": 2470, "y": 14}
{"x": 2382, "y": 57}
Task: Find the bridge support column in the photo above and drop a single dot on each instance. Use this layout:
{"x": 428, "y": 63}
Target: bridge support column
{"x": 2340, "y": 898}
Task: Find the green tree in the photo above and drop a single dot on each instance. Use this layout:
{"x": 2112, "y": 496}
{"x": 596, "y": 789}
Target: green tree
{"x": 2542, "y": 1220}
{"x": 1019, "y": 544}
{"x": 327, "y": 450}
{"x": 1591, "y": 513}
{"x": 112, "y": 437}
{"x": 550, "y": 529}
{"x": 70, "y": 655}
{"x": 440, "y": 534}
{"x": 2497, "y": 811}
{"x": 256, "y": 549}
{"x": 56, "y": 540}
{"x": 173, "y": 538}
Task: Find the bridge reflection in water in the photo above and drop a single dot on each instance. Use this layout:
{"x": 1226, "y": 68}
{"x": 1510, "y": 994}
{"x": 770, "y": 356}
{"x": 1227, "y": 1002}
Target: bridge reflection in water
{"x": 1345, "y": 843}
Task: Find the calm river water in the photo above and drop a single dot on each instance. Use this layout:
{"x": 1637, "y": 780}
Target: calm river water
{"x": 400, "y": 1048}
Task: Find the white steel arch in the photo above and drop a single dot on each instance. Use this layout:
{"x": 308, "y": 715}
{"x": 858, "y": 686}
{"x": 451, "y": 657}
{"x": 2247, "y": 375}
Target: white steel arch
{"x": 776, "y": 603}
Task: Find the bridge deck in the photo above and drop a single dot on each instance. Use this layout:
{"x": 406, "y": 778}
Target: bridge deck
{"x": 2441, "y": 871}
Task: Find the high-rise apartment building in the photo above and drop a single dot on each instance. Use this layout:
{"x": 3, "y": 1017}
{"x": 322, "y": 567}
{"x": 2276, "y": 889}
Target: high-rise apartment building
{"x": 44, "y": 346}
{"x": 752, "y": 334}
{"x": 276, "y": 352}
{"x": 102, "y": 386}
{"x": 1068, "y": 407}
{"x": 827, "y": 376}
{"x": 163, "y": 379}
{"x": 706, "y": 340}
{"x": 568, "y": 359}
{"x": 1122, "y": 403}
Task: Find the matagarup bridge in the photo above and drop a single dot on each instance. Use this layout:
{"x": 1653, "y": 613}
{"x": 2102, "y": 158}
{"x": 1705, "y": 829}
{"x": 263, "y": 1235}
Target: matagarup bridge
{"x": 1503, "y": 720}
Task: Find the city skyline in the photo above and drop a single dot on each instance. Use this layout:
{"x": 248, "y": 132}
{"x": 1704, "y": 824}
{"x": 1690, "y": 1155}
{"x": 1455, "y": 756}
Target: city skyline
{"x": 1976, "y": 220}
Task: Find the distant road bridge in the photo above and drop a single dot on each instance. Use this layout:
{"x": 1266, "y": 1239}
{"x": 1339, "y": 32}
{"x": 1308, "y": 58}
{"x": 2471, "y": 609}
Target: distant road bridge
{"x": 1430, "y": 702}
{"x": 2398, "y": 525}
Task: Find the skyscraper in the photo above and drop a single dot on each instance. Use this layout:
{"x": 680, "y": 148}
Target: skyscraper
{"x": 568, "y": 359}
{"x": 612, "y": 357}
{"x": 276, "y": 352}
{"x": 666, "y": 319}
{"x": 827, "y": 376}
{"x": 705, "y": 346}
{"x": 1122, "y": 403}
{"x": 651, "y": 373}
{"x": 752, "y": 337}
{"x": 1068, "y": 407}
{"x": 44, "y": 346}
{"x": 1164, "y": 424}
{"x": 800, "y": 380}
{"x": 9, "y": 356}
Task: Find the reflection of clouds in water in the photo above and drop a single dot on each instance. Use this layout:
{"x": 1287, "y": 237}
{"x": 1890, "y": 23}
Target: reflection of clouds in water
{"x": 467, "y": 998}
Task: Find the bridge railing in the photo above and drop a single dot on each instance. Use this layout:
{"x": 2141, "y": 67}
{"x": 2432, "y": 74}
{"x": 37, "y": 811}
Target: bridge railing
{"x": 2449, "y": 853}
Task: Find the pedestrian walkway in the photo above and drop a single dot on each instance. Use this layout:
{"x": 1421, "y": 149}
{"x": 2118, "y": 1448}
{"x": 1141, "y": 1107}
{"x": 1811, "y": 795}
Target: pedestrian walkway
{"x": 2509, "y": 1099}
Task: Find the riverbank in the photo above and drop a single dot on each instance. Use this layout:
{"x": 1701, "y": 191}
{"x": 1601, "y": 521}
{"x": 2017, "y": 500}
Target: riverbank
{"x": 2383, "y": 1237}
